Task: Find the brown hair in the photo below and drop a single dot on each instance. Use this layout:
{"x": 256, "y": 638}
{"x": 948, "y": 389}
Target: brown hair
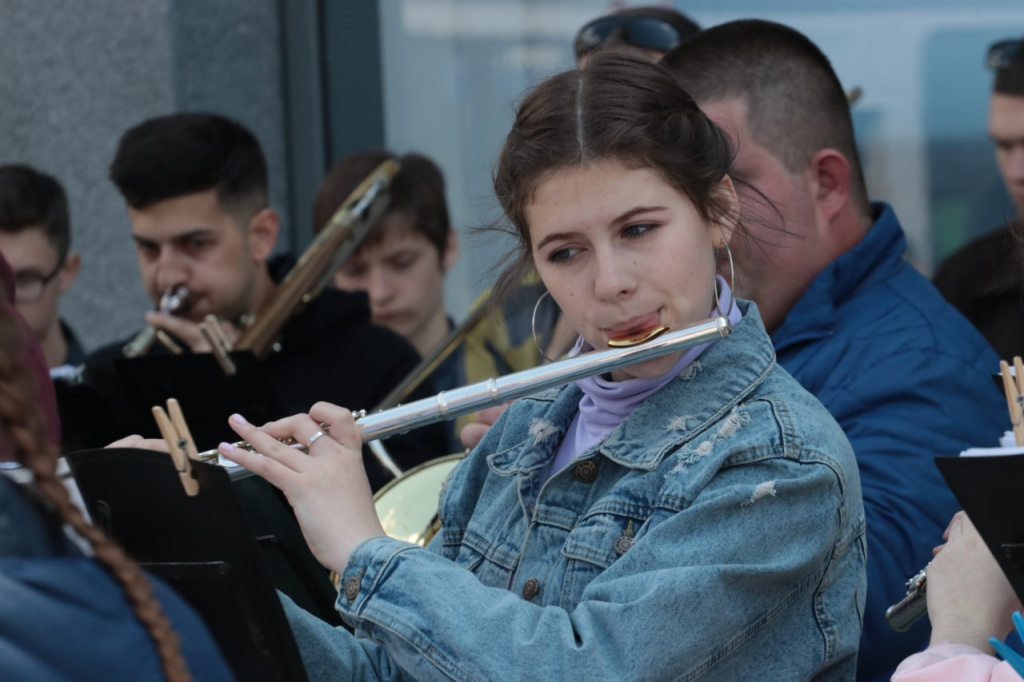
{"x": 416, "y": 192}
{"x": 795, "y": 104}
{"x": 617, "y": 107}
{"x": 30, "y": 198}
{"x": 23, "y": 422}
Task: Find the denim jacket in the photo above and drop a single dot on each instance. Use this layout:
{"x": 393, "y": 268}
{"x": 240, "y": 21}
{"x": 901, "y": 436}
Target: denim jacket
{"x": 717, "y": 533}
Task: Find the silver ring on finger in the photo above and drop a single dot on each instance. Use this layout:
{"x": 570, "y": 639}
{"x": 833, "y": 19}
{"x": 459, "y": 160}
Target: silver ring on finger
{"x": 314, "y": 438}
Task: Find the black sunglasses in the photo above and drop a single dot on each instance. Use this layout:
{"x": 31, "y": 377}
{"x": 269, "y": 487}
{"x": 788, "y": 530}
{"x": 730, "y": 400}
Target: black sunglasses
{"x": 649, "y": 33}
{"x": 1005, "y": 52}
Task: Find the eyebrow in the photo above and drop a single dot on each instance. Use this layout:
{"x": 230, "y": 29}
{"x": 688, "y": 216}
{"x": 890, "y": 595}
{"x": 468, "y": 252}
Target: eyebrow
{"x": 189, "y": 234}
{"x": 625, "y": 217}
{"x": 1006, "y": 139}
{"x": 30, "y": 271}
{"x": 401, "y": 253}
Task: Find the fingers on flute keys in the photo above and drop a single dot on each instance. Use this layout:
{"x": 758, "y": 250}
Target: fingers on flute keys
{"x": 343, "y": 426}
{"x": 270, "y": 453}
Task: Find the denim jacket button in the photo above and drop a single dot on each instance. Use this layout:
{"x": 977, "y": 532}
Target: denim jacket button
{"x": 623, "y": 544}
{"x": 351, "y": 588}
{"x": 531, "y": 588}
{"x": 586, "y": 471}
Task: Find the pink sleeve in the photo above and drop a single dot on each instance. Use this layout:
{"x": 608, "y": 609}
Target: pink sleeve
{"x": 954, "y": 662}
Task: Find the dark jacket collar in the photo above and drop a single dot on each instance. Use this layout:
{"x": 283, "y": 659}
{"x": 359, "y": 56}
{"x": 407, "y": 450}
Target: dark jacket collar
{"x": 875, "y": 257}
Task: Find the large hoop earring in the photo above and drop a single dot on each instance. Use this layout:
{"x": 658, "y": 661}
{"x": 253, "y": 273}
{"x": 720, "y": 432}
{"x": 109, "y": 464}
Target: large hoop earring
{"x": 732, "y": 284}
{"x": 533, "y": 326}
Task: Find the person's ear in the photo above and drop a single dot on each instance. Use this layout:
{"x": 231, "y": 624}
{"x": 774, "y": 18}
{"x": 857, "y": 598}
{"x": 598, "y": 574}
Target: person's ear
{"x": 451, "y": 251}
{"x": 69, "y": 271}
{"x": 829, "y": 183}
{"x": 262, "y": 234}
{"x": 728, "y": 208}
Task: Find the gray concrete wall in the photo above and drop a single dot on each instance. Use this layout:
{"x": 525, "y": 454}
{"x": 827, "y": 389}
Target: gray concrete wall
{"x": 74, "y": 75}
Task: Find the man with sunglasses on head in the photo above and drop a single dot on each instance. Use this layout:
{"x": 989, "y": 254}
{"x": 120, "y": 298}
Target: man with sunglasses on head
{"x": 984, "y": 280}
{"x": 35, "y": 238}
{"x": 649, "y": 32}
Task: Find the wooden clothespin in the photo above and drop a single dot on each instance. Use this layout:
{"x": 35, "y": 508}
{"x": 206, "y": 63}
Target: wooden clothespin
{"x": 220, "y": 344}
{"x": 179, "y": 440}
{"x": 1013, "y": 387}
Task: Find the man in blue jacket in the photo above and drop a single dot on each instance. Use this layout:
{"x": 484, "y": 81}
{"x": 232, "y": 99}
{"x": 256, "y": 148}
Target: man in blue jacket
{"x": 903, "y": 373}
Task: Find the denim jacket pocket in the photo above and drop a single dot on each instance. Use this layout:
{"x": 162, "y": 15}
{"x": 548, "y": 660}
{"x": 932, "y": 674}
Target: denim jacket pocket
{"x": 592, "y": 547}
{"x": 492, "y": 564}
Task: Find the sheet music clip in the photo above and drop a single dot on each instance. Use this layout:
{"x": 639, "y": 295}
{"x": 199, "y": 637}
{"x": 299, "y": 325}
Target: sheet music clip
{"x": 179, "y": 441}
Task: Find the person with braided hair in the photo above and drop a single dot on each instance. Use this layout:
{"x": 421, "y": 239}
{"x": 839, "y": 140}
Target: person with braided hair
{"x": 65, "y": 615}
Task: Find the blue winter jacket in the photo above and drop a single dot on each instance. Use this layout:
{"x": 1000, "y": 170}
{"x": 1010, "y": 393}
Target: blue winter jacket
{"x": 717, "y": 533}
{"x": 63, "y": 617}
{"x": 908, "y": 378}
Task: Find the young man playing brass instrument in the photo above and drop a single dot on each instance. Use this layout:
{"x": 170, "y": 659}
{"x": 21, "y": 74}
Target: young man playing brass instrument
{"x": 196, "y": 189}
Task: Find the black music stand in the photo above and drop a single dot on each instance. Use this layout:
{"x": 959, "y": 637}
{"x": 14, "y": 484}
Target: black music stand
{"x": 293, "y": 568}
{"x": 207, "y": 396}
{"x": 991, "y": 490}
{"x": 202, "y": 546}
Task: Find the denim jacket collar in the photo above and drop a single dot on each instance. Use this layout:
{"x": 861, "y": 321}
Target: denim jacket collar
{"x": 725, "y": 373}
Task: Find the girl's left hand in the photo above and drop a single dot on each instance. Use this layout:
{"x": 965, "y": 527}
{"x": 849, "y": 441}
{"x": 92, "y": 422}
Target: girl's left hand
{"x": 327, "y": 487}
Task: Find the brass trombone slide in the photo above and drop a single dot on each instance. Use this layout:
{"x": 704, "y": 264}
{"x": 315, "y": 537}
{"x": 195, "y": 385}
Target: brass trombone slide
{"x": 333, "y": 245}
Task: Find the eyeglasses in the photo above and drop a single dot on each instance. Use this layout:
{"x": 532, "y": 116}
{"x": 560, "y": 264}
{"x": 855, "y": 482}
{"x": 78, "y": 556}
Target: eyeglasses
{"x": 649, "y": 33}
{"x": 1005, "y": 52}
{"x": 29, "y": 284}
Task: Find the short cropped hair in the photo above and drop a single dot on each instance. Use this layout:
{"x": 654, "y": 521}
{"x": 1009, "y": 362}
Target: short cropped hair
{"x": 30, "y": 198}
{"x": 1009, "y": 73}
{"x": 417, "y": 192}
{"x": 172, "y": 156}
{"x": 795, "y": 104}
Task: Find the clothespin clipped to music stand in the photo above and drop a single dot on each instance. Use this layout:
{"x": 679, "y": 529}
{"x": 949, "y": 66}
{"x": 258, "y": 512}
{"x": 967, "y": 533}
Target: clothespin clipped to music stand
{"x": 179, "y": 440}
{"x": 1013, "y": 386}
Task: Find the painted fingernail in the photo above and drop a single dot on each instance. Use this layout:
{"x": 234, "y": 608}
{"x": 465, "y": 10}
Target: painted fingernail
{"x": 238, "y": 419}
{"x": 226, "y": 448}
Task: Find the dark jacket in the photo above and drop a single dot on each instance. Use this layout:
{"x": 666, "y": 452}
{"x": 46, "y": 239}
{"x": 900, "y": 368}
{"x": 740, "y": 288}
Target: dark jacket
{"x": 908, "y": 378}
{"x": 984, "y": 280}
{"x": 329, "y": 351}
{"x": 64, "y": 617}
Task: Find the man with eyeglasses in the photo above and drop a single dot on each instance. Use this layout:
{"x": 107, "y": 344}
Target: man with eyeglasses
{"x": 35, "y": 239}
{"x": 984, "y": 280}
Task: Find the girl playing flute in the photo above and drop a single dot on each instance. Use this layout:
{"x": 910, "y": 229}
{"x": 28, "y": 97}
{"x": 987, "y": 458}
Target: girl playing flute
{"x": 696, "y": 515}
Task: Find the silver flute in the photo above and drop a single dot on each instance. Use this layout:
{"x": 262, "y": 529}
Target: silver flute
{"x": 497, "y": 391}
{"x": 907, "y": 611}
